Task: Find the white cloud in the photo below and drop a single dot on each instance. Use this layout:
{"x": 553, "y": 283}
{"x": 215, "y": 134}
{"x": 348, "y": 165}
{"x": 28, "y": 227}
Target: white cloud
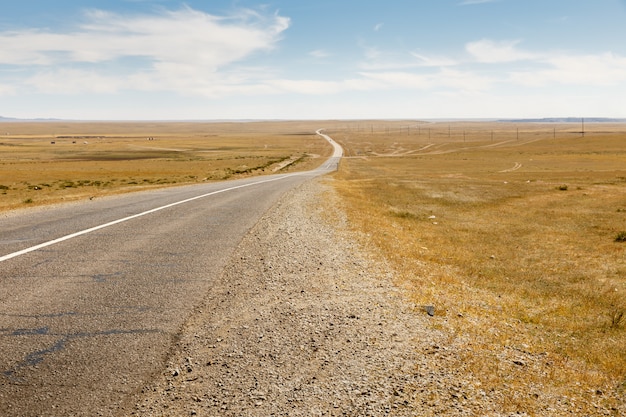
{"x": 372, "y": 53}
{"x": 6, "y": 89}
{"x": 378, "y": 27}
{"x": 399, "y": 79}
{"x": 437, "y": 61}
{"x": 313, "y": 87}
{"x": 320, "y": 87}
{"x": 377, "y": 81}
{"x": 193, "y": 53}
{"x": 375, "y": 59}
{"x": 73, "y": 81}
{"x": 464, "y": 80}
{"x": 319, "y": 53}
{"x": 502, "y": 65}
{"x": 491, "y": 52}
{"x": 185, "y": 45}
{"x": 443, "y": 79}
{"x": 543, "y": 68}
{"x": 604, "y": 69}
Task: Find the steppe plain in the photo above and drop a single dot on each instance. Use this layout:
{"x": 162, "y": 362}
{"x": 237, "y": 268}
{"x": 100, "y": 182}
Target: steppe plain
{"x": 515, "y": 234}
{"x": 507, "y": 238}
{"x": 48, "y": 162}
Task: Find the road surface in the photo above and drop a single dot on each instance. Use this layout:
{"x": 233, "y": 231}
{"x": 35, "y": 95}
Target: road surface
{"x": 92, "y": 295}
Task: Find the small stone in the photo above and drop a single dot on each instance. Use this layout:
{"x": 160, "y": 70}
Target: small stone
{"x": 430, "y": 310}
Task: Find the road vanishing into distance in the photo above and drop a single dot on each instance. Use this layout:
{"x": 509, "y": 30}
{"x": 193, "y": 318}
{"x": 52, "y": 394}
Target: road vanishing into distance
{"x": 92, "y": 295}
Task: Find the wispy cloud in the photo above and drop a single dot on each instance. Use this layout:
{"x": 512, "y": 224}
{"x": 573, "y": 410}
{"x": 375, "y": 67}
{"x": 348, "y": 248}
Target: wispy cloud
{"x": 319, "y": 53}
{"x": 378, "y": 27}
{"x": 194, "y": 53}
{"x": 488, "y": 51}
{"x": 6, "y": 89}
{"x": 434, "y": 61}
{"x": 441, "y": 79}
{"x": 309, "y": 87}
{"x": 174, "y": 45}
{"x": 488, "y": 66}
{"x": 541, "y": 68}
{"x": 604, "y": 69}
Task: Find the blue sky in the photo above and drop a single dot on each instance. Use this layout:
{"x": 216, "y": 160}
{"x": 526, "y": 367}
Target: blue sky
{"x": 296, "y": 59}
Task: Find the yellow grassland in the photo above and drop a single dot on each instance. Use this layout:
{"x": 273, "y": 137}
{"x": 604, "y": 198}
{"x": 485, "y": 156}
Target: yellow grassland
{"x": 509, "y": 231}
{"x": 49, "y": 162}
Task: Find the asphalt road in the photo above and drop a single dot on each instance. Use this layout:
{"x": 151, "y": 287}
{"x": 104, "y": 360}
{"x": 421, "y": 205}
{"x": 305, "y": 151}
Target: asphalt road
{"x": 92, "y": 295}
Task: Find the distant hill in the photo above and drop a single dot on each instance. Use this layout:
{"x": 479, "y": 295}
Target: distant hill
{"x": 566, "y": 120}
{"x": 15, "y": 119}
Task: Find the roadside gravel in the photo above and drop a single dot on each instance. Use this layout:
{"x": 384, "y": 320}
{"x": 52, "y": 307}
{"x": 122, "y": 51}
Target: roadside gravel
{"x": 303, "y": 322}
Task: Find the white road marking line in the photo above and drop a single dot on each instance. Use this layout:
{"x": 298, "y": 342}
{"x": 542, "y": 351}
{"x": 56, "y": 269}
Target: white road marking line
{"x": 338, "y": 152}
{"x": 134, "y": 216}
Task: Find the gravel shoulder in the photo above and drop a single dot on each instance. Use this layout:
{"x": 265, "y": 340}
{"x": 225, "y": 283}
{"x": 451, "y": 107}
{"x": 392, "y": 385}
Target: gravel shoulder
{"x": 300, "y": 323}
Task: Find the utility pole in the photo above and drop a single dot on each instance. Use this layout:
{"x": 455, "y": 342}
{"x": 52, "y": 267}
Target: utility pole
{"x": 583, "y": 127}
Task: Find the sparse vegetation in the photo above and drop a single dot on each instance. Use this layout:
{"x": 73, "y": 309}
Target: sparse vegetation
{"x": 475, "y": 229}
{"x": 617, "y": 316}
{"x": 118, "y": 157}
{"x": 621, "y": 236}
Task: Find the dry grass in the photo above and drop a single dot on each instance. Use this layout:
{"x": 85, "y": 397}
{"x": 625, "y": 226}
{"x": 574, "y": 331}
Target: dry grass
{"x": 94, "y": 159}
{"x": 513, "y": 239}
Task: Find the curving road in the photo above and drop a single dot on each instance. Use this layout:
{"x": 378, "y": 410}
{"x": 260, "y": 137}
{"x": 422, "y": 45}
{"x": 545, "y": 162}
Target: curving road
{"x": 92, "y": 295}
{"x": 337, "y": 149}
